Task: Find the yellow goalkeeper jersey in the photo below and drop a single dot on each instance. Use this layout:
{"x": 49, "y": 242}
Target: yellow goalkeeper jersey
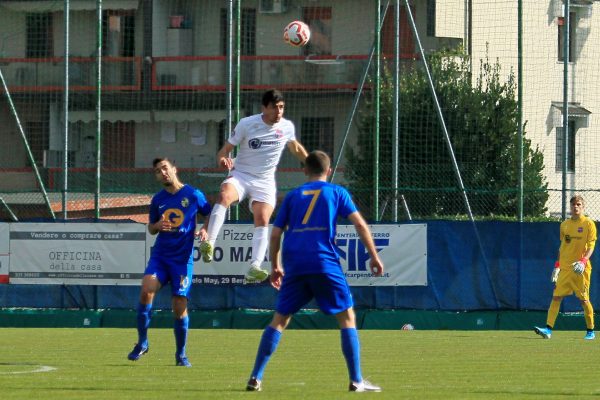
{"x": 576, "y": 237}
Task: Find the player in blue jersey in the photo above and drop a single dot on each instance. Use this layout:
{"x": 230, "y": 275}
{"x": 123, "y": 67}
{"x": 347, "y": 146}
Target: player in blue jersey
{"x": 311, "y": 266}
{"x": 173, "y": 213}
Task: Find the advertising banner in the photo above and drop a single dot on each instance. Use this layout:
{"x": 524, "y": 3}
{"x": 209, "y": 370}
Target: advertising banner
{"x": 402, "y": 248}
{"x": 77, "y": 253}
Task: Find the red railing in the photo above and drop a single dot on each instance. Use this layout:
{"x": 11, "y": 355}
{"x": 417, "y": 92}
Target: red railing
{"x": 185, "y": 73}
{"x": 312, "y": 73}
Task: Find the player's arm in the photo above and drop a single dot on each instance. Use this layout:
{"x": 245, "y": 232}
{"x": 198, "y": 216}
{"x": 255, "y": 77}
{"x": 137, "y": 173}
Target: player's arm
{"x": 274, "y": 248}
{"x": 591, "y": 240}
{"x": 556, "y": 269}
{"x": 588, "y": 253}
{"x": 162, "y": 225}
{"x": 223, "y": 158}
{"x": 579, "y": 265}
{"x": 203, "y": 214}
{"x": 202, "y": 233}
{"x": 296, "y": 148}
{"x": 364, "y": 233}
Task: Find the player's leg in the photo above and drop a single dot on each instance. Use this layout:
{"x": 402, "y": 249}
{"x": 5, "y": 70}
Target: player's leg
{"x": 564, "y": 287}
{"x": 267, "y": 346}
{"x": 293, "y": 295}
{"x": 180, "y": 329}
{"x": 260, "y": 240}
{"x": 553, "y": 310}
{"x": 263, "y": 199}
{"x": 583, "y": 293}
{"x": 181, "y": 282}
{"x": 334, "y": 297}
{"x": 588, "y": 313}
{"x": 351, "y": 350}
{"x": 229, "y": 194}
{"x": 350, "y": 343}
{"x": 150, "y": 285}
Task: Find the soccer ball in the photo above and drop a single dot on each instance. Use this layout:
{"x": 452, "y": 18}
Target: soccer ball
{"x": 296, "y": 34}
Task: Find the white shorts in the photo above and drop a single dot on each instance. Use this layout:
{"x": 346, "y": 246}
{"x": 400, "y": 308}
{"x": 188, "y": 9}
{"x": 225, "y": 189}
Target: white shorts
{"x": 255, "y": 189}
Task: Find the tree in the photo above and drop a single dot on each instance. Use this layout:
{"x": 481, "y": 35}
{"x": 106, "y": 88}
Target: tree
{"x": 481, "y": 116}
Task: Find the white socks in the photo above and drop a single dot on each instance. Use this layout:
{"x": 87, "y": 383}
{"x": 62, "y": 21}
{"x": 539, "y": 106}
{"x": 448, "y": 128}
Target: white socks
{"x": 260, "y": 238}
{"x": 215, "y": 223}
{"x": 260, "y": 242}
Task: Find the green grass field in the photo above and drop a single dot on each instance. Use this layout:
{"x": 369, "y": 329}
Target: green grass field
{"x": 92, "y": 364}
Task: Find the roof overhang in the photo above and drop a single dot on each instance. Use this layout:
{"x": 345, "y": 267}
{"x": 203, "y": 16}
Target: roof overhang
{"x": 574, "y": 110}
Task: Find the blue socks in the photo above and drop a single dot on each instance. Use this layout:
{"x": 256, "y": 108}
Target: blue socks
{"x": 350, "y": 348}
{"x": 351, "y": 351}
{"x": 181, "y": 330}
{"x": 144, "y": 312}
{"x": 268, "y": 344}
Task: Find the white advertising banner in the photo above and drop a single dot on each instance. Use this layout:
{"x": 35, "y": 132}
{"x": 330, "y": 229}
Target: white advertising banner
{"x": 4, "y": 251}
{"x": 77, "y": 253}
{"x": 402, "y": 248}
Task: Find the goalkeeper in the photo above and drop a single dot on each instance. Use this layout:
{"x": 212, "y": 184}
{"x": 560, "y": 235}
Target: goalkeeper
{"x": 573, "y": 269}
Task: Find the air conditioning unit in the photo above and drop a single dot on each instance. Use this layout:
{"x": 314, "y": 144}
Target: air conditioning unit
{"x": 272, "y": 6}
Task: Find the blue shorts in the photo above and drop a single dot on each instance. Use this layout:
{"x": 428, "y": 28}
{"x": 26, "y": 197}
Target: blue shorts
{"x": 178, "y": 273}
{"x": 331, "y": 291}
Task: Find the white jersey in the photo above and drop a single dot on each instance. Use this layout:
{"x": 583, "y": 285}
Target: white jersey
{"x": 260, "y": 145}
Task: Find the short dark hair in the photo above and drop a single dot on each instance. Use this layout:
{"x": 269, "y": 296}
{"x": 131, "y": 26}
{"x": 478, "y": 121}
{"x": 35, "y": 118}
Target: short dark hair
{"x": 317, "y": 163}
{"x": 272, "y": 96}
{"x": 576, "y": 198}
{"x": 161, "y": 159}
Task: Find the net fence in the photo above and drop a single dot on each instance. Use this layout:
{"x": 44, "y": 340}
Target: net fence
{"x": 429, "y": 109}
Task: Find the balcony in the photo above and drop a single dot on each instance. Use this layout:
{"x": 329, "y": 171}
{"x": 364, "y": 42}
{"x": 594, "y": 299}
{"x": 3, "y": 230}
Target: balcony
{"x": 188, "y": 73}
{"x": 47, "y": 74}
{"x": 259, "y": 72}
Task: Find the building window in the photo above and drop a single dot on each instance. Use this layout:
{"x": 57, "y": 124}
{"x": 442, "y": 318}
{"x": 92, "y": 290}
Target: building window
{"x": 38, "y": 139}
{"x": 247, "y": 32}
{"x": 388, "y": 32}
{"x": 319, "y": 21}
{"x": 317, "y": 134}
{"x": 431, "y": 18}
{"x": 572, "y": 36}
{"x": 118, "y": 29}
{"x": 39, "y": 35}
{"x": 118, "y": 144}
{"x": 560, "y": 137}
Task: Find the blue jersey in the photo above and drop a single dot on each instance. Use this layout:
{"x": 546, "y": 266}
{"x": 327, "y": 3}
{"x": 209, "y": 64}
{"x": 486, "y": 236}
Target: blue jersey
{"x": 180, "y": 209}
{"x": 310, "y": 212}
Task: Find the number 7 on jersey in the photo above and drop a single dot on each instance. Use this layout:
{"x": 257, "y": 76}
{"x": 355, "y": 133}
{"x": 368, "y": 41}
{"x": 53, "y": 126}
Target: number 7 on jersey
{"x": 315, "y": 195}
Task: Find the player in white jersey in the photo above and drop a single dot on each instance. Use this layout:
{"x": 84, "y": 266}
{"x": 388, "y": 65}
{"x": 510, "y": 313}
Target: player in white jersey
{"x": 261, "y": 139}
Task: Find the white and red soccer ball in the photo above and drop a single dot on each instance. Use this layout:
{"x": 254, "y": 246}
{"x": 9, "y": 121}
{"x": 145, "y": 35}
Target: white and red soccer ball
{"x": 296, "y": 34}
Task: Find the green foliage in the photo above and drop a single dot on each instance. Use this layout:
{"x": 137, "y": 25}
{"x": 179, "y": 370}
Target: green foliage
{"x": 481, "y": 116}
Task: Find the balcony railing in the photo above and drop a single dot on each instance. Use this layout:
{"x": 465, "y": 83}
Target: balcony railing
{"x": 184, "y": 73}
{"x": 259, "y": 72}
{"x": 48, "y": 75}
